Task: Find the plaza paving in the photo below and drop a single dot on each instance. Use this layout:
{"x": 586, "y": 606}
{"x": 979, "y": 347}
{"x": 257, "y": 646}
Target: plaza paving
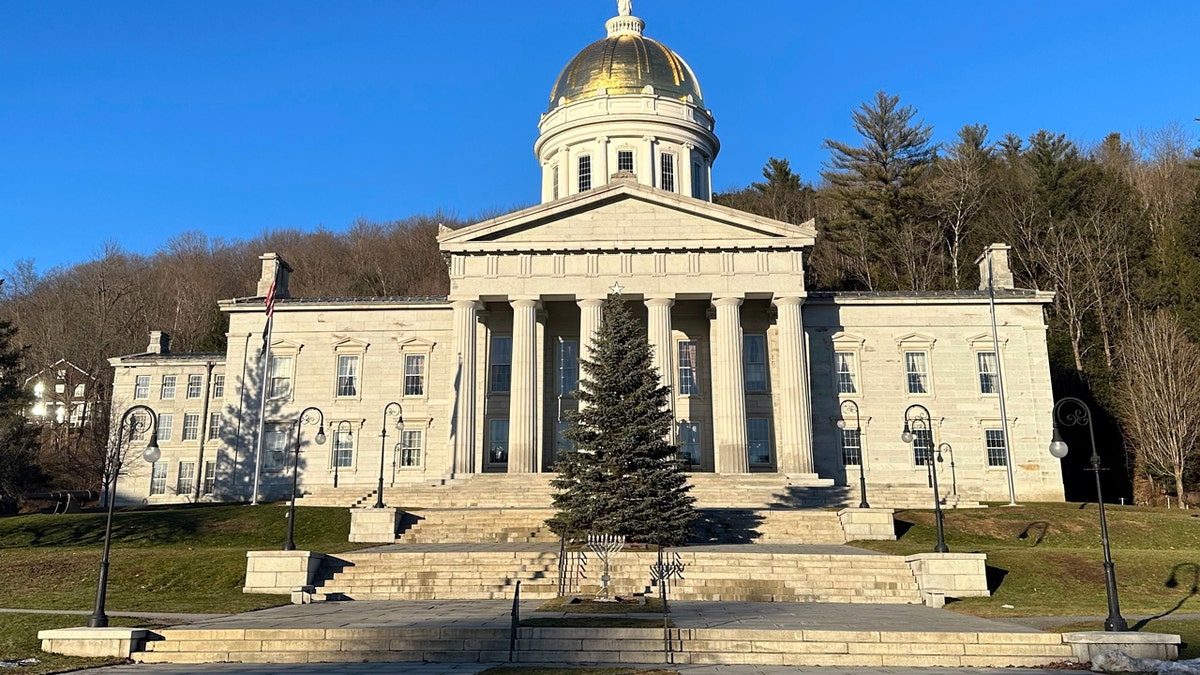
{"x": 469, "y": 668}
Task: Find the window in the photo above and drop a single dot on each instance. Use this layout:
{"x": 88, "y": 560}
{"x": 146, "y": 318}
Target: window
{"x": 79, "y": 391}
{"x": 191, "y": 426}
{"x": 754, "y": 362}
{"x": 210, "y": 478}
{"x": 689, "y": 383}
{"x": 168, "y": 387}
{"x": 844, "y": 365}
{"x": 668, "y": 173}
{"x": 989, "y": 372}
{"x": 281, "y": 377}
{"x": 186, "y": 484}
{"x": 165, "y": 422}
{"x": 275, "y": 446}
{"x": 997, "y": 451}
{"x": 758, "y": 437}
{"x": 343, "y": 449}
{"x": 158, "y": 478}
{"x": 347, "y": 377}
{"x": 585, "y": 173}
{"x": 498, "y": 441}
{"x": 851, "y": 447}
{"x": 412, "y": 442}
{"x": 689, "y": 442}
{"x": 414, "y": 374}
{"x": 141, "y": 387}
{"x": 214, "y": 426}
{"x": 195, "y": 382}
{"x": 139, "y": 424}
{"x": 697, "y": 181}
{"x": 922, "y": 446}
{"x": 568, "y": 367}
{"x": 60, "y": 388}
{"x": 218, "y": 386}
{"x": 916, "y": 366}
{"x": 625, "y": 160}
{"x": 554, "y": 181}
{"x": 562, "y": 444}
{"x": 501, "y": 369}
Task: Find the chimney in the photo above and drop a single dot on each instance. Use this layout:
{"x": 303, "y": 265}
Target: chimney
{"x": 274, "y": 268}
{"x": 160, "y": 343}
{"x": 1002, "y": 276}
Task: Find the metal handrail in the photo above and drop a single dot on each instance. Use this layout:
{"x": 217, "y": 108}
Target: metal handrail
{"x": 516, "y": 622}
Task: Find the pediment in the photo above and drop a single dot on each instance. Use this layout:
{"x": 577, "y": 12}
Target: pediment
{"x": 349, "y": 344}
{"x": 629, "y": 216}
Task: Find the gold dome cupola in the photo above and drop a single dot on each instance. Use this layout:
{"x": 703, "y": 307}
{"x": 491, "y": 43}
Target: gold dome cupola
{"x": 626, "y": 103}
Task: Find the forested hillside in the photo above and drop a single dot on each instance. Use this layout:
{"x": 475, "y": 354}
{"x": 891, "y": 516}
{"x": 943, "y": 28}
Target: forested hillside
{"x": 1111, "y": 225}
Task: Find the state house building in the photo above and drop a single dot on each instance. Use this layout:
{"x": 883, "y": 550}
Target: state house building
{"x": 760, "y": 369}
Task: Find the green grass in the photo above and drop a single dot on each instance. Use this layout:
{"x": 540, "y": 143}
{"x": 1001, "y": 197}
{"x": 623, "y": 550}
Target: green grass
{"x": 651, "y": 606}
{"x": 176, "y": 559}
{"x": 18, "y": 640}
{"x": 1187, "y": 629}
{"x": 1045, "y": 559}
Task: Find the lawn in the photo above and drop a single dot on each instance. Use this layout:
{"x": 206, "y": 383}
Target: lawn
{"x": 176, "y": 559}
{"x": 1046, "y": 560}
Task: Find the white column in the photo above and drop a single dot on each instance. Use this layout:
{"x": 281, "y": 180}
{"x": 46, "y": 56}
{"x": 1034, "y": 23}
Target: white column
{"x": 566, "y": 173}
{"x": 590, "y": 311}
{"x": 795, "y": 404}
{"x": 522, "y": 411}
{"x": 729, "y": 388}
{"x": 661, "y": 344}
{"x": 601, "y": 162}
{"x": 685, "y": 171}
{"x": 648, "y": 161}
{"x": 463, "y": 426}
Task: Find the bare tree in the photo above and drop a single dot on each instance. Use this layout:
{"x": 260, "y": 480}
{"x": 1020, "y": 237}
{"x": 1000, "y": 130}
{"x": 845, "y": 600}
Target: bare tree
{"x": 1159, "y": 398}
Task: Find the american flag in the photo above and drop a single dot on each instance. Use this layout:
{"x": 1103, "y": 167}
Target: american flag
{"x": 269, "y": 301}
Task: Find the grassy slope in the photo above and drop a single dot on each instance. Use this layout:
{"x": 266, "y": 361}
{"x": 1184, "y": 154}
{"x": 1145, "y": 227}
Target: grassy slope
{"x": 1049, "y": 557}
{"x": 179, "y": 559}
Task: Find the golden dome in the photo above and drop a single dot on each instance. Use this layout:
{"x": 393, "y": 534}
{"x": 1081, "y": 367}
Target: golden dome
{"x": 625, "y": 63}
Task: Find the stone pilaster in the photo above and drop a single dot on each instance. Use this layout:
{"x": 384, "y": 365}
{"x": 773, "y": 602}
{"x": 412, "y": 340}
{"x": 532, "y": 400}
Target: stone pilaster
{"x": 463, "y": 425}
{"x": 661, "y": 344}
{"x": 729, "y": 388}
{"x": 795, "y": 405}
{"x": 601, "y": 162}
{"x": 522, "y": 415}
{"x": 648, "y": 143}
{"x": 685, "y": 170}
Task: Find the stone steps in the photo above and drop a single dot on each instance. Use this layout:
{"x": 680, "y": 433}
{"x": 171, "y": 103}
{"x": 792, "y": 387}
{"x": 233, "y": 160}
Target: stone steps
{"x": 609, "y": 646}
{"x": 437, "y": 526}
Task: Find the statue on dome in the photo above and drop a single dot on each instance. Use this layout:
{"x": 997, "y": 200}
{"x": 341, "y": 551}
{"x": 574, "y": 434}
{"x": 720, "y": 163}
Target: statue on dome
{"x": 624, "y": 7}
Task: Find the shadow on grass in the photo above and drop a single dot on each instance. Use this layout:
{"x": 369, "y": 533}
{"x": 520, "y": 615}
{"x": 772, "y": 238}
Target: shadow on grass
{"x": 1036, "y": 530}
{"x": 1185, "y": 569}
{"x": 995, "y": 577}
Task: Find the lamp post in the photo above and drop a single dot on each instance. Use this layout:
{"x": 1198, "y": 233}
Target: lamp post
{"x": 139, "y": 425}
{"x": 337, "y": 434}
{"x": 921, "y": 421}
{"x": 846, "y": 406}
{"x": 289, "y": 544}
{"x": 945, "y": 447}
{"x": 396, "y": 409}
{"x": 1072, "y": 412}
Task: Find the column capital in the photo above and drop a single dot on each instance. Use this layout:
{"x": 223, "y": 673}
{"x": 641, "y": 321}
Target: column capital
{"x": 465, "y": 304}
{"x": 525, "y": 303}
{"x": 590, "y": 302}
{"x": 660, "y": 302}
{"x": 731, "y": 301}
{"x": 788, "y": 301}
{"x": 602, "y": 139}
{"x": 650, "y": 139}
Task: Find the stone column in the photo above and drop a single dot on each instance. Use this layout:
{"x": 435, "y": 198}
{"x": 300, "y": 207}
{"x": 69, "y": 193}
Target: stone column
{"x": 685, "y": 171}
{"x": 648, "y": 161}
{"x": 795, "y": 405}
{"x": 465, "y": 318}
{"x": 522, "y": 411}
{"x": 565, "y": 173}
{"x": 601, "y": 162}
{"x": 589, "y": 323}
{"x": 729, "y": 388}
{"x": 661, "y": 344}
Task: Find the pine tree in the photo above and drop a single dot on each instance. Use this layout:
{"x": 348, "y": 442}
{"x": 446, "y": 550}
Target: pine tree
{"x": 19, "y": 468}
{"x": 622, "y": 477}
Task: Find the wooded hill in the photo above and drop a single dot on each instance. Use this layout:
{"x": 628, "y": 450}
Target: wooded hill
{"x": 1113, "y": 228}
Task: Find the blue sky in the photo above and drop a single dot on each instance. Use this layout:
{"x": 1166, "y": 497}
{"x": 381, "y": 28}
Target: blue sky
{"x": 134, "y": 121}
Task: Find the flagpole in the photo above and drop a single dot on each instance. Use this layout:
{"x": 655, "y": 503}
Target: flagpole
{"x": 1012, "y": 493}
{"x": 262, "y": 404}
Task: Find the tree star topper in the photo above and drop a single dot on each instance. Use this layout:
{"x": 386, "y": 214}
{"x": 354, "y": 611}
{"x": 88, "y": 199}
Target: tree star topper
{"x": 616, "y": 288}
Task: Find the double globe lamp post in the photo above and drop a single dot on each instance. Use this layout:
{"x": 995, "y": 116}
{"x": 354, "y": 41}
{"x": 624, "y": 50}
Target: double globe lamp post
{"x": 390, "y": 409}
{"x": 305, "y": 417}
{"x": 337, "y": 440}
{"x": 846, "y": 407}
{"x": 1072, "y": 412}
{"x": 920, "y": 421}
{"x": 145, "y": 419}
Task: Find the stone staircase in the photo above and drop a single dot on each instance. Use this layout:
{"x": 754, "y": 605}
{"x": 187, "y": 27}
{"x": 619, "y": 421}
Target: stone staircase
{"x": 879, "y": 649}
{"x": 478, "y": 525}
{"x": 440, "y": 575}
{"x": 326, "y": 495}
{"x": 768, "y": 526}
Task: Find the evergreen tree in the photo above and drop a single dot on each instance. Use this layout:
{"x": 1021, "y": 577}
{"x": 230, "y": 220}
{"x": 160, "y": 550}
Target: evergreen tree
{"x": 19, "y": 468}
{"x": 622, "y": 477}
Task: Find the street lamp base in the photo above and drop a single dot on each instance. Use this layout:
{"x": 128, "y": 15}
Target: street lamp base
{"x": 95, "y": 621}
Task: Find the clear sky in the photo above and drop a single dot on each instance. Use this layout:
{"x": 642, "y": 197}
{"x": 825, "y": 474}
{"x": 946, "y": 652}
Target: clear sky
{"x": 133, "y": 121}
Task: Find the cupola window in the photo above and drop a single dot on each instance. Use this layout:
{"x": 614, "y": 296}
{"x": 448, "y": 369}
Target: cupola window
{"x": 585, "y": 173}
{"x": 668, "y": 173}
{"x": 554, "y": 180}
{"x": 625, "y": 160}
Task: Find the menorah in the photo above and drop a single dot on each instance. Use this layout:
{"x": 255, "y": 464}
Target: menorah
{"x": 605, "y": 546}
